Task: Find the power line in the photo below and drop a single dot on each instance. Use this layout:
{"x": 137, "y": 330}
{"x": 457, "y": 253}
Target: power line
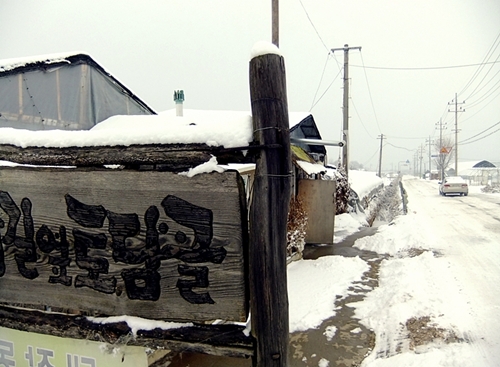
{"x": 360, "y": 120}
{"x": 469, "y": 142}
{"x": 395, "y": 146}
{"x": 312, "y": 24}
{"x": 476, "y": 73}
{"x": 369, "y": 159}
{"x": 487, "y": 94}
{"x": 405, "y": 137}
{"x": 370, "y": 93}
{"x": 326, "y": 90}
{"x": 319, "y": 84}
{"x": 424, "y": 68}
{"x": 485, "y": 75}
{"x": 465, "y": 141}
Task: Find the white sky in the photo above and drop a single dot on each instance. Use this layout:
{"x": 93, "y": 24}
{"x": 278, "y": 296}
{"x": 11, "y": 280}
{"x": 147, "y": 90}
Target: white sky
{"x": 203, "y": 47}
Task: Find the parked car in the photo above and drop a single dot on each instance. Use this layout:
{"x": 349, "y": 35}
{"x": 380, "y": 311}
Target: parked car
{"x": 453, "y": 185}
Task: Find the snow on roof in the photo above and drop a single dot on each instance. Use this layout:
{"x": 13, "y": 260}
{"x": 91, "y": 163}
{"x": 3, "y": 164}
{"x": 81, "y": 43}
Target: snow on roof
{"x": 472, "y": 168}
{"x": 14, "y": 63}
{"x": 311, "y": 168}
{"x": 218, "y": 115}
{"x": 146, "y": 129}
{"x": 214, "y": 128}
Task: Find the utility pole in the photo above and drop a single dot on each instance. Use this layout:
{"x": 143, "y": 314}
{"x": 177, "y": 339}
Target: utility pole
{"x": 415, "y": 164}
{"x": 420, "y": 152}
{"x": 441, "y": 158}
{"x": 275, "y": 23}
{"x": 381, "y": 137}
{"x": 345, "y": 127}
{"x": 429, "y": 142}
{"x": 456, "y": 129}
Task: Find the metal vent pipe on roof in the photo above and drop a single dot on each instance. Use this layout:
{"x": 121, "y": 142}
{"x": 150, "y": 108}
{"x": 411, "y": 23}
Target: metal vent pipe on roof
{"x": 179, "y": 99}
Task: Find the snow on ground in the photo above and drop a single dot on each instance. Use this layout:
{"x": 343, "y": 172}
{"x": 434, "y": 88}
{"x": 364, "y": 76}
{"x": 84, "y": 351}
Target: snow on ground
{"x": 363, "y": 182}
{"x": 439, "y": 270}
{"x": 443, "y": 263}
{"x": 313, "y": 290}
{"x": 347, "y": 224}
{"x": 313, "y": 285}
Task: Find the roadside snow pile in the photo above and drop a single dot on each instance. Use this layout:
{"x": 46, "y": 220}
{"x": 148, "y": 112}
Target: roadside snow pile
{"x": 492, "y": 189}
{"x": 394, "y": 238}
{"x": 314, "y": 288}
{"x": 365, "y": 183}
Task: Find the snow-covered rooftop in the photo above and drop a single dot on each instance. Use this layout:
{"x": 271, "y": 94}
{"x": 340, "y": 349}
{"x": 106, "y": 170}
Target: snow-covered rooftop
{"x": 10, "y": 64}
{"x": 214, "y": 128}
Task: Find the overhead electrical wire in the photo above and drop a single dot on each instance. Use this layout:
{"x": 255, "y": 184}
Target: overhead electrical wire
{"x": 369, "y": 159}
{"x": 466, "y": 141}
{"x": 319, "y": 84}
{"x": 405, "y": 137}
{"x": 370, "y": 94}
{"x": 487, "y": 94}
{"x": 469, "y": 142}
{"x": 326, "y": 90}
{"x": 485, "y": 75}
{"x": 314, "y": 27}
{"x": 360, "y": 120}
{"x": 395, "y": 146}
{"x": 422, "y": 68}
{"x": 481, "y": 66}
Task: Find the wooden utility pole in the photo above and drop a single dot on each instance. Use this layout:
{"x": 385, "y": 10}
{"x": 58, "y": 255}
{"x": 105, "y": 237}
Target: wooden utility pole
{"x": 420, "y": 156}
{"x": 381, "y": 137}
{"x": 345, "y": 127}
{"x": 276, "y": 23}
{"x": 456, "y": 129}
{"x": 441, "y": 157}
{"x": 269, "y": 211}
{"x": 430, "y": 171}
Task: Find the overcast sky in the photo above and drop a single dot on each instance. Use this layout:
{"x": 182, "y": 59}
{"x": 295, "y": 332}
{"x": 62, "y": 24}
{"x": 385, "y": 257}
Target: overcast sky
{"x": 203, "y": 47}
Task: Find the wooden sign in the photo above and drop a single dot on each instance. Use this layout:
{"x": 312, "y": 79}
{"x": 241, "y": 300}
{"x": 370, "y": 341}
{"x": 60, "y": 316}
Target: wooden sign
{"x": 116, "y": 242}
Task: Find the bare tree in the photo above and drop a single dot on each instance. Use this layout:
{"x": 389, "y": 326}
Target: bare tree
{"x": 443, "y": 159}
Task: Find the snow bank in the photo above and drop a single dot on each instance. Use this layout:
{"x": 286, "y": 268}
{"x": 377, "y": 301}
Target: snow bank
{"x": 396, "y": 237}
{"x": 313, "y": 287}
{"x": 364, "y": 182}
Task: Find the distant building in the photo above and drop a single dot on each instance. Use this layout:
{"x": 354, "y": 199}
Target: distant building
{"x": 62, "y": 91}
{"x": 479, "y": 172}
{"x": 303, "y": 126}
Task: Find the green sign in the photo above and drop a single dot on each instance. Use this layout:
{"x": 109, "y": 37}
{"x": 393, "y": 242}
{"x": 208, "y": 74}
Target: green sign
{"x": 24, "y": 349}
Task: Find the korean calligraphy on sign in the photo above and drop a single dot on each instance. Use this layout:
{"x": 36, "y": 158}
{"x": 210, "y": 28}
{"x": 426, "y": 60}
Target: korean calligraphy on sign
{"x": 152, "y": 241}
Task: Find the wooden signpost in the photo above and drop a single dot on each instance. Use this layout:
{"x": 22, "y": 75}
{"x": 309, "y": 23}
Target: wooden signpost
{"x": 111, "y": 242}
{"x": 154, "y": 244}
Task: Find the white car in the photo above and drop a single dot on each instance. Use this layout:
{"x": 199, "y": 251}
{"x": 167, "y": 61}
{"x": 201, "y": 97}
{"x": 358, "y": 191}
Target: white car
{"x": 453, "y": 185}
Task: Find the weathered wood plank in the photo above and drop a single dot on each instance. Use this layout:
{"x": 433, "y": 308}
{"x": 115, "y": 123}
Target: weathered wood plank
{"x": 174, "y": 157}
{"x": 224, "y": 340}
{"x": 111, "y": 242}
{"x": 269, "y": 211}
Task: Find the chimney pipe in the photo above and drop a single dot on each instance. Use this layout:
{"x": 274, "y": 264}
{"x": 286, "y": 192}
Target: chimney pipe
{"x": 179, "y": 99}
